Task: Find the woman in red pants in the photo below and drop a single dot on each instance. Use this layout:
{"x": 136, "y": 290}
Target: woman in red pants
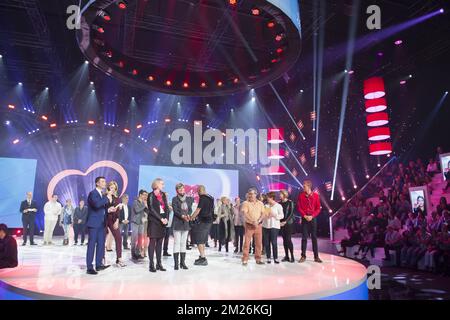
{"x": 112, "y": 220}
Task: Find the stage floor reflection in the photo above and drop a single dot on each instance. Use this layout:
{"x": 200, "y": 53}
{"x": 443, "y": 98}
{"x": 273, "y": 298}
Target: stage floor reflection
{"x": 49, "y": 272}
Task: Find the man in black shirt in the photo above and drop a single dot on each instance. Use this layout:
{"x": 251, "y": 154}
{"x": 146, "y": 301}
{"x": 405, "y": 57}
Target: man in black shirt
{"x": 28, "y": 208}
{"x": 200, "y": 230}
{"x": 8, "y": 249}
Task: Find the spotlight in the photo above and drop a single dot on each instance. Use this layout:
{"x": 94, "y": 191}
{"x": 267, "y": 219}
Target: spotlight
{"x": 256, "y": 12}
{"x": 91, "y": 138}
{"x": 207, "y": 105}
{"x": 367, "y": 176}
{"x": 93, "y": 90}
{"x": 134, "y": 72}
{"x": 16, "y": 141}
{"x": 121, "y": 64}
{"x": 220, "y": 83}
{"x": 7, "y": 122}
{"x": 403, "y": 82}
{"x": 86, "y": 62}
{"x": 203, "y": 85}
{"x": 330, "y": 211}
{"x": 46, "y": 88}
{"x": 279, "y": 37}
{"x": 301, "y": 91}
{"x": 236, "y": 80}
{"x": 351, "y": 72}
{"x": 92, "y": 82}
{"x": 168, "y": 83}
{"x": 441, "y": 11}
{"x": 232, "y": 2}
{"x": 158, "y": 99}
{"x": 132, "y": 98}
{"x": 355, "y": 186}
{"x": 99, "y": 29}
{"x": 345, "y": 71}
{"x": 1, "y": 56}
{"x": 185, "y": 85}
{"x": 53, "y": 125}
{"x": 155, "y": 150}
{"x": 150, "y": 78}
{"x": 91, "y": 122}
{"x": 271, "y": 24}
{"x": 126, "y": 130}
{"x": 343, "y": 198}
{"x": 253, "y": 99}
{"x": 44, "y": 118}
{"x": 20, "y": 83}
{"x": 398, "y": 42}
{"x": 167, "y": 120}
{"x": 122, "y": 4}
{"x": 279, "y": 50}
{"x": 11, "y": 106}
{"x": 139, "y": 126}
{"x": 410, "y": 76}
{"x": 378, "y": 165}
{"x": 105, "y": 15}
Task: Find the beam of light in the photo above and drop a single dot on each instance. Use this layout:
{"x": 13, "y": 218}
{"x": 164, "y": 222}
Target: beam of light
{"x": 291, "y": 174}
{"x": 319, "y": 74}
{"x": 426, "y": 124}
{"x": 286, "y": 109}
{"x": 350, "y": 51}
{"x": 315, "y": 41}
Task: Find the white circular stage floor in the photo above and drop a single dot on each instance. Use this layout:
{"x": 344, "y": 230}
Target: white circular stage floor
{"x": 59, "y": 272}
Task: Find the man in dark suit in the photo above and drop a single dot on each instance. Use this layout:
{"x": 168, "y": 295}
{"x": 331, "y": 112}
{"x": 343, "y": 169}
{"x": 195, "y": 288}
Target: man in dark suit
{"x": 28, "y": 208}
{"x": 124, "y": 220}
{"x": 96, "y": 226}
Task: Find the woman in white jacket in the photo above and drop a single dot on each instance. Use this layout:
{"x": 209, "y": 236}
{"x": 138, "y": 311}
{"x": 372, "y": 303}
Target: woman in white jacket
{"x": 52, "y": 210}
{"x": 271, "y": 227}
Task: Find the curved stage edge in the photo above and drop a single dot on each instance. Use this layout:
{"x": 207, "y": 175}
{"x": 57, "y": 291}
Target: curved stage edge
{"x": 58, "y": 273}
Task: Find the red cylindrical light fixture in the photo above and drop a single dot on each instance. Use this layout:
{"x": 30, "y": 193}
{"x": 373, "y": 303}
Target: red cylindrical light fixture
{"x": 377, "y": 119}
{"x": 277, "y": 154}
{"x": 275, "y": 135}
{"x": 374, "y": 88}
{"x": 378, "y": 134}
{"x": 376, "y": 105}
{"x": 380, "y": 148}
{"x": 277, "y": 186}
{"x": 275, "y": 171}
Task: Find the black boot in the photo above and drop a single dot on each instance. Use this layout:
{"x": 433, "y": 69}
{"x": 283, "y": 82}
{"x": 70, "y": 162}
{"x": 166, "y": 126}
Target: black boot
{"x": 152, "y": 266}
{"x": 175, "y": 259}
{"x": 182, "y": 262}
{"x": 160, "y": 267}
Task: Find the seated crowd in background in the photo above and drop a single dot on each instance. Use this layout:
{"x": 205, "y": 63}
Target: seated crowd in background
{"x": 392, "y": 224}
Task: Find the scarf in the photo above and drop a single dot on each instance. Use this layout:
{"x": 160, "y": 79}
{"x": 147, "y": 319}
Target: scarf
{"x": 184, "y": 206}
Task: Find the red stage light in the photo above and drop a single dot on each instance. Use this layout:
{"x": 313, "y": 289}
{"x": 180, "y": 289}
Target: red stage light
{"x": 271, "y": 24}
{"x": 377, "y": 119}
{"x": 236, "y": 80}
{"x": 16, "y": 141}
{"x": 279, "y": 50}
{"x": 150, "y": 78}
{"x": 44, "y": 118}
{"x": 376, "y": 105}
{"x": 274, "y": 60}
{"x": 220, "y": 83}
{"x": 53, "y": 125}
{"x": 19, "y": 231}
{"x": 134, "y": 72}
{"x": 374, "y": 88}
{"x": 105, "y": 15}
{"x": 203, "y": 85}
{"x": 121, "y": 64}
{"x": 185, "y": 85}
{"x": 232, "y": 2}
{"x": 139, "y": 126}
{"x": 91, "y": 122}
{"x": 168, "y": 83}
{"x": 167, "y": 120}
{"x": 11, "y": 106}
{"x": 109, "y": 54}
{"x": 122, "y": 5}
{"x": 101, "y": 30}
{"x": 279, "y": 37}
{"x": 256, "y": 11}
{"x": 380, "y": 148}
{"x": 126, "y": 130}
{"x": 378, "y": 134}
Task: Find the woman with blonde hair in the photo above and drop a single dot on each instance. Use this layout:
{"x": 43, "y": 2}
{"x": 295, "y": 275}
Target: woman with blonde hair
{"x": 226, "y": 227}
{"x": 112, "y": 219}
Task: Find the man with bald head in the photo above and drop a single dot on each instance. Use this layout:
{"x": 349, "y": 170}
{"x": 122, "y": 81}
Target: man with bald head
{"x": 28, "y": 208}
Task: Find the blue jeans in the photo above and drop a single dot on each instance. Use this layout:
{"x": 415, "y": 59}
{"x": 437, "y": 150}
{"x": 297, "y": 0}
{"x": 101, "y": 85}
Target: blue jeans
{"x": 270, "y": 239}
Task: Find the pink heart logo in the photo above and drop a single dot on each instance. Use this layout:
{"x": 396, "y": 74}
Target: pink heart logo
{"x": 72, "y": 172}
{"x": 192, "y": 191}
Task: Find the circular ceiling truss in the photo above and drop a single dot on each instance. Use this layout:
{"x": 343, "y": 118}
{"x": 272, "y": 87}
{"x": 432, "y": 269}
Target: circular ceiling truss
{"x": 193, "y": 48}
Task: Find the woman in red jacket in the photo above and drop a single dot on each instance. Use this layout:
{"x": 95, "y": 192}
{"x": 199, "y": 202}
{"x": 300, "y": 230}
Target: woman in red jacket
{"x": 309, "y": 207}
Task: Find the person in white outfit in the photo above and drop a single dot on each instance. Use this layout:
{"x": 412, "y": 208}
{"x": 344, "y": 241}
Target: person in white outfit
{"x": 271, "y": 227}
{"x": 52, "y": 210}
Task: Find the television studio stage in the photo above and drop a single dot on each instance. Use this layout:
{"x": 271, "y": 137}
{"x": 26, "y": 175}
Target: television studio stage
{"x": 59, "y": 272}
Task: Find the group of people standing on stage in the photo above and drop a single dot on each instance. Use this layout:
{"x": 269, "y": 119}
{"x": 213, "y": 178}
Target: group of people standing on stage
{"x": 252, "y": 225}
